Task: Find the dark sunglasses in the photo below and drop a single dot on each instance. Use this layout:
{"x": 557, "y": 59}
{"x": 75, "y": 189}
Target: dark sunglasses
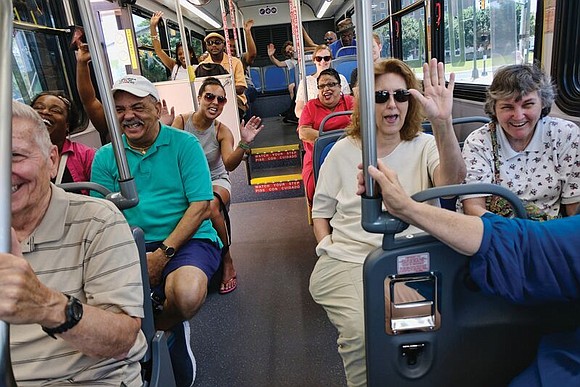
{"x": 209, "y": 97}
{"x": 329, "y": 84}
{"x": 401, "y": 95}
{"x": 328, "y": 39}
{"x": 326, "y": 58}
{"x": 214, "y": 42}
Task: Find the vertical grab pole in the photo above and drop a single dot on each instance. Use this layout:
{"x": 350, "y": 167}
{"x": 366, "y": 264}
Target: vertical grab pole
{"x": 373, "y": 219}
{"x": 296, "y": 20}
{"x": 185, "y": 46}
{"x": 128, "y": 196}
{"x": 6, "y": 375}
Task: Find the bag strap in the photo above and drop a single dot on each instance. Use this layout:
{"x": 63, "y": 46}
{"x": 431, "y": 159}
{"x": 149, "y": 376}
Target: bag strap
{"x": 61, "y": 167}
{"x": 494, "y": 152}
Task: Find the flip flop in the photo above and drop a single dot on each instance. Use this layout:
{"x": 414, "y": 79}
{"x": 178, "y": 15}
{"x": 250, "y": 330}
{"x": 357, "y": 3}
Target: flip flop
{"x": 229, "y": 285}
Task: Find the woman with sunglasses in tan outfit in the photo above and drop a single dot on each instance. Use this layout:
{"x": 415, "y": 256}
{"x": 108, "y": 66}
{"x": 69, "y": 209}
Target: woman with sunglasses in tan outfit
{"x": 421, "y": 160}
{"x": 222, "y": 155}
{"x": 322, "y": 58}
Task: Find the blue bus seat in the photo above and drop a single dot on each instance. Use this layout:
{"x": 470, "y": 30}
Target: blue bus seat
{"x": 275, "y": 78}
{"x": 450, "y": 203}
{"x": 256, "y": 76}
{"x": 346, "y": 50}
{"x": 344, "y": 65}
{"x": 450, "y": 334}
{"x": 310, "y": 67}
{"x": 325, "y": 142}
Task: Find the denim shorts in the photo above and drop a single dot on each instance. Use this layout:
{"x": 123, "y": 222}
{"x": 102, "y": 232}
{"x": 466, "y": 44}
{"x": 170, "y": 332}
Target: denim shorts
{"x": 204, "y": 254}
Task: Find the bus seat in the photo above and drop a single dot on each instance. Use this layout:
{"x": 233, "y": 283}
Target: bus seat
{"x": 322, "y": 146}
{"x": 275, "y": 79}
{"x": 310, "y": 67}
{"x": 347, "y": 50}
{"x": 156, "y": 368}
{"x": 325, "y": 142}
{"x": 449, "y": 203}
{"x": 256, "y": 75}
{"x": 451, "y": 334}
{"x": 344, "y": 65}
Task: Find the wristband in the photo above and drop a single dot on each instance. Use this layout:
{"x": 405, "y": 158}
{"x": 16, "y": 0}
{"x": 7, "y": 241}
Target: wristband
{"x": 244, "y": 146}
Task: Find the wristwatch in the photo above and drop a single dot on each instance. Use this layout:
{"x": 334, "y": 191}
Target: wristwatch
{"x": 168, "y": 251}
{"x": 73, "y": 312}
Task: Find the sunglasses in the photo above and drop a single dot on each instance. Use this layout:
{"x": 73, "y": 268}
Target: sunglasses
{"x": 328, "y": 39}
{"x": 329, "y": 84}
{"x": 401, "y": 95}
{"x": 214, "y": 42}
{"x": 326, "y": 58}
{"x": 210, "y": 97}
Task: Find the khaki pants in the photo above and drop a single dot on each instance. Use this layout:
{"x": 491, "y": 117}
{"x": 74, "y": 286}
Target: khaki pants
{"x": 337, "y": 286}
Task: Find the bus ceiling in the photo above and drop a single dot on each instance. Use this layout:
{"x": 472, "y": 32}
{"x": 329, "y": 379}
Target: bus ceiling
{"x": 208, "y": 13}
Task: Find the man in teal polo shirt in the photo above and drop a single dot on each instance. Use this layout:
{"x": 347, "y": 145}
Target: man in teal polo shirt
{"x": 174, "y": 185}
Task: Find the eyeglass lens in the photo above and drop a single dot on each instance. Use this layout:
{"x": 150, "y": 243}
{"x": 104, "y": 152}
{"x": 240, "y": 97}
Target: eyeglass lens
{"x": 320, "y": 58}
{"x": 401, "y": 95}
{"x": 329, "y": 84}
{"x": 214, "y": 42}
{"x": 210, "y": 97}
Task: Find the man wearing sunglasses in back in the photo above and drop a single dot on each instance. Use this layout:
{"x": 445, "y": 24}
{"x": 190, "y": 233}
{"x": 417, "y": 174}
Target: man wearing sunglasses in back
{"x": 216, "y": 46}
{"x": 421, "y": 161}
{"x": 174, "y": 185}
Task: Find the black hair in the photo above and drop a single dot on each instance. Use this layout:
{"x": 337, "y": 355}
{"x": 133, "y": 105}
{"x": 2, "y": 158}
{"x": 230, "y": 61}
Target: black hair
{"x": 72, "y": 111}
{"x": 191, "y": 54}
{"x": 207, "y": 82}
{"x": 330, "y": 71}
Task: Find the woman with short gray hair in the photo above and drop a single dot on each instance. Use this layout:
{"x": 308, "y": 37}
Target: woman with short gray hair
{"x": 523, "y": 149}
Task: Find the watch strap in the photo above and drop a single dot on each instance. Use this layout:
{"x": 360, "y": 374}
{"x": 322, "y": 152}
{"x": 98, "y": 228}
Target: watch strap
{"x": 70, "y": 315}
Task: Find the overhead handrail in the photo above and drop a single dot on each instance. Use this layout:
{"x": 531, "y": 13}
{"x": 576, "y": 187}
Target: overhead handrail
{"x": 127, "y": 197}
{"x": 6, "y": 375}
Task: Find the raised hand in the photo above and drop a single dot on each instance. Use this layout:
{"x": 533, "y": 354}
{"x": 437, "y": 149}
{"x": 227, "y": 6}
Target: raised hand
{"x": 271, "y": 49}
{"x": 156, "y": 18}
{"x": 437, "y": 98}
{"x": 166, "y": 116}
{"x": 83, "y": 54}
{"x": 250, "y": 130}
{"x": 248, "y": 24}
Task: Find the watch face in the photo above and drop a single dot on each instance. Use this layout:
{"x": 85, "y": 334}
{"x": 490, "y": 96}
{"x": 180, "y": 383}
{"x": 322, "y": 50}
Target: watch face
{"x": 77, "y": 310}
{"x": 169, "y": 252}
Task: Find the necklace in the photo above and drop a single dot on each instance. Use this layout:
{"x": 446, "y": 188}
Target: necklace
{"x": 139, "y": 149}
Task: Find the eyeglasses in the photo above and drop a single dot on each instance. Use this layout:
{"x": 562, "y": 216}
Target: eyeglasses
{"x": 329, "y": 84}
{"x": 214, "y": 42}
{"x": 326, "y": 58}
{"x": 210, "y": 97}
{"x": 400, "y": 95}
{"x": 328, "y": 39}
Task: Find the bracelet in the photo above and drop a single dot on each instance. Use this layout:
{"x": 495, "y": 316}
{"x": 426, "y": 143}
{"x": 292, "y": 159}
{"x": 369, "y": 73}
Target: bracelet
{"x": 244, "y": 146}
{"x": 156, "y": 37}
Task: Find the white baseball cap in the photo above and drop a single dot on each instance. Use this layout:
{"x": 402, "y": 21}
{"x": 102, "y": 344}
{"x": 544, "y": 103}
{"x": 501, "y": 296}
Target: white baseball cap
{"x": 136, "y": 85}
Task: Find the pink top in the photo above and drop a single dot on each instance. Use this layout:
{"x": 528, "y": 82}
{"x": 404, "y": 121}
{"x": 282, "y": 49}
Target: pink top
{"x": 80, "y": 160}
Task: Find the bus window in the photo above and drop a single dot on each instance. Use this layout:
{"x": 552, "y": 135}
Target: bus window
{"x": 413, "y": 32}
{"x": 37, "y": 65}
{"x": 513, "y": 25}
{"x": 151, "y": 66}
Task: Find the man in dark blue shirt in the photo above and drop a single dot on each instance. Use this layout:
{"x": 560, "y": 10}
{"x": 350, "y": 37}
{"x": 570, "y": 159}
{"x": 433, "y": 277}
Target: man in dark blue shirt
{"x": 345, "y": 31}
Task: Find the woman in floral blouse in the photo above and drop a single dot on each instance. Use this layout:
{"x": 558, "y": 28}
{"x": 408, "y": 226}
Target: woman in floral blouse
{"x": 523, "y": 149}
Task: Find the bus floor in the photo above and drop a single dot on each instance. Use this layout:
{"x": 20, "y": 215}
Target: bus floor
{"x": 269, "y": 331}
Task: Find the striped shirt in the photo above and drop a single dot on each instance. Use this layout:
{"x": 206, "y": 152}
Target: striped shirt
{"x": 82, "y": 247}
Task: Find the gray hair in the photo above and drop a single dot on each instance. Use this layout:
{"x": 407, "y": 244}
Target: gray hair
{"x": 38, "y": 131}
{"x": 516, "y": 81}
